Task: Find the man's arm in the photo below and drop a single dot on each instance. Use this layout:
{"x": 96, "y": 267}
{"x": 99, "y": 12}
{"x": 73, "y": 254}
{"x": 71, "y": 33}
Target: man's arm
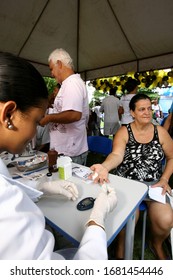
{"x": 69, "y": 116}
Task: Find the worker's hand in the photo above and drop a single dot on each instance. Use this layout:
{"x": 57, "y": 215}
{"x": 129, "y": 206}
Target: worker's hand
{"x": 105, "y": 203}
{"x": 63, "y": 187}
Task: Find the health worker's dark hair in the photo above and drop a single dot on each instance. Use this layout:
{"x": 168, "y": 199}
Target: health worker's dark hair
{"x": 21, "y": 82}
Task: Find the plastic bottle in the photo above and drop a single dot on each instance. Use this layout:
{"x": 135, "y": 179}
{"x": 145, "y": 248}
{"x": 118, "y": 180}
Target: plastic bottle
{"x": 52, "y": 158}
{"x": 64, "y": 165}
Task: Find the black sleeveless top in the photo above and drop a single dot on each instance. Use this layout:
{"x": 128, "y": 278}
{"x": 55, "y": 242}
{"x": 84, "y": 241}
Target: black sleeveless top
{"x": 142, "y": 162}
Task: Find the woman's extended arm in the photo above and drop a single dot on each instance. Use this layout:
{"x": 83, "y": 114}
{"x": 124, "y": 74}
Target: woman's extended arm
{"x": 113, "y": 159}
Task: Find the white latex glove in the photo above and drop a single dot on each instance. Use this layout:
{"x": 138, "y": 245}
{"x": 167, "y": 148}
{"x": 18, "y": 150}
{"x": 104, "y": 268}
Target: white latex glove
{"x": 63, "y": 187}
{"x": 105, "y": 203}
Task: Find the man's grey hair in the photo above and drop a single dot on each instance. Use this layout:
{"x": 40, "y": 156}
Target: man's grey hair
{"x": 63, "y": 56}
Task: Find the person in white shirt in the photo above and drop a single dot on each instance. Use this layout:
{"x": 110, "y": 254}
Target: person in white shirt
{"x": 131, "y": 87}
{"x": 22, "y": 226}
{"x": 69, "y": 118}
{"x": 157, "y": 111}
{"x": 41, "y": 141}
{"x": 110, "y": 108}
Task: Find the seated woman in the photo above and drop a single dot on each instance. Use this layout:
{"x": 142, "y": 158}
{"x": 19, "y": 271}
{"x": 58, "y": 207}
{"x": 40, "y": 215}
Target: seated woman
{"x": 138, "y": 150}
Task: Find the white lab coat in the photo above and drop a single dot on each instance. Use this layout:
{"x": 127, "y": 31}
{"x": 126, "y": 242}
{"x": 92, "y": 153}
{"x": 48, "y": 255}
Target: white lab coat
{"x": 22, "y": 227}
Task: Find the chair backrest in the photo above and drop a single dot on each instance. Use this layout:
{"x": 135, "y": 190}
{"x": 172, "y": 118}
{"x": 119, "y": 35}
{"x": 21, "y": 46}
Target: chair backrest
{"x": 100, "y": 144}
{"x": 143, "y": 206}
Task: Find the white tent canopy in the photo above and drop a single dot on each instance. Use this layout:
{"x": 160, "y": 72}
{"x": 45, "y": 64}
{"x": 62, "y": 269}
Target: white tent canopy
{"x": 104, "y": 37}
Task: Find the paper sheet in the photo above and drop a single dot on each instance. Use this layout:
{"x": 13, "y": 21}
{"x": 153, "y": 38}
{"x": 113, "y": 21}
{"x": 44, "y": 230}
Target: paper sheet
{"x": 156, "y": 194}
{"x": 82, "y": 173}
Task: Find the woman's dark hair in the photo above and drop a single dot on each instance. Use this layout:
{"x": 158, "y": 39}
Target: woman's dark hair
{"x": 21, "y": 82}
{"x": 130, "y": 85}
{"x": 136, "y": 98}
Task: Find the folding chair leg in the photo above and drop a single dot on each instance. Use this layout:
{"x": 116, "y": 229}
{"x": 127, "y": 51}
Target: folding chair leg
{"x": 143, "y": 234}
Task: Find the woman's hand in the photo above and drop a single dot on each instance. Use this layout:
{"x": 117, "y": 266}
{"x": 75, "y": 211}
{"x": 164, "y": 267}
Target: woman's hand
{"x": 100, "y": 174}
{"x": 163, "y": 183}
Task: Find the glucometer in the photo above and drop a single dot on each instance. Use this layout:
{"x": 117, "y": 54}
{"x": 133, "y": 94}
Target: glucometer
{"x": 86, "y": 203}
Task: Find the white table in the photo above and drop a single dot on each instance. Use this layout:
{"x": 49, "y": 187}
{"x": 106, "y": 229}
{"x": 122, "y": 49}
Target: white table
{"x": 64, "y": 216}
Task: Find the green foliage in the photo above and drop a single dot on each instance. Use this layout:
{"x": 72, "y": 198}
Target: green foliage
{"x": 150, "y": 92}
{"x": 97, "y": 98}
{"x": 50, "y": 83}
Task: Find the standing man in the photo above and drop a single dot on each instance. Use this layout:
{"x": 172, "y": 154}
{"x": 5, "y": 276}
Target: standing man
{"x": 70, "y": 114}
{"x": 110, "y": 107}
{"x": 131, "y": 87}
